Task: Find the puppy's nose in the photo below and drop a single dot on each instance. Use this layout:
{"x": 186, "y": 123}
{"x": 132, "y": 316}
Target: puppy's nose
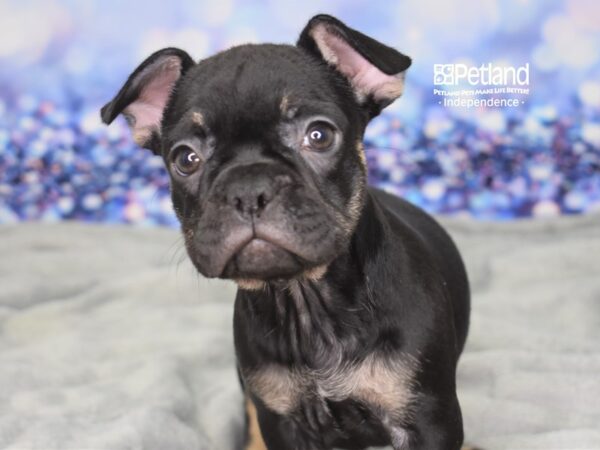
{"x": 250, "y": 189}
{"x": 250, "y": 199}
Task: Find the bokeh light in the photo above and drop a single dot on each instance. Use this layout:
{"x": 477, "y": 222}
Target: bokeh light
{"x": 60, "y": 60}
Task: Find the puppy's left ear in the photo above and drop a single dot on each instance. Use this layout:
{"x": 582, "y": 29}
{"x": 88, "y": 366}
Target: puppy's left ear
{"x": 375, "y": 71}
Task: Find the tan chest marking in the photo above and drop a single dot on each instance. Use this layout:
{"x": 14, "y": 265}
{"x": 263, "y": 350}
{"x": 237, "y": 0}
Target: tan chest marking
{"x": 381, "y": 383}
{"x": 279, "y": 388}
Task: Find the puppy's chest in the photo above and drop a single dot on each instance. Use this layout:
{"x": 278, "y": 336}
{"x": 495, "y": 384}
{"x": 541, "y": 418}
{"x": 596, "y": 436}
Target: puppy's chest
{"x": 383, "y": 385}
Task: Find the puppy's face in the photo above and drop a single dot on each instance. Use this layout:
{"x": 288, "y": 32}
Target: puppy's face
{"x": 263, "y": 145}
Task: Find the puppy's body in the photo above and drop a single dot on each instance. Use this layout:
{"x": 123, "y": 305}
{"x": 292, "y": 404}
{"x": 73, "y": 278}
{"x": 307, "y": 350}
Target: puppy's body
{"x": 351, "y": 359}
{"x": 353, "y": 304}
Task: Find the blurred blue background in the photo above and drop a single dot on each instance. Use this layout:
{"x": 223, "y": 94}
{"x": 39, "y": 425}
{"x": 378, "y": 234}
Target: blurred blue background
{"x": 61, "y": 60}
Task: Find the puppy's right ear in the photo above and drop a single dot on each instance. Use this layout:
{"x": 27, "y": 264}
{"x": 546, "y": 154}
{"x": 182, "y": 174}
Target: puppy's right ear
{"x": 146, "y": 93}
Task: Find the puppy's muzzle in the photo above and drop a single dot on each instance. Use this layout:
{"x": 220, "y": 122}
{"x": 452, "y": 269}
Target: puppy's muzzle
{"x": 250, "y": 202}
{"x": 250, "y": 189}
{"x": 262, "y": 220}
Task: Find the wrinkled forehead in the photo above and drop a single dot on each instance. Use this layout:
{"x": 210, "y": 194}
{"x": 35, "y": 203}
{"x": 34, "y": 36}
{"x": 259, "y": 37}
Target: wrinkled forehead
{"x": 255, "y": 83}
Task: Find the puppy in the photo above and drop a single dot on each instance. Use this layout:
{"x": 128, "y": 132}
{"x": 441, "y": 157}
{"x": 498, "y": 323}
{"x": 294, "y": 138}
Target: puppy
{"x": 353, "y": 305}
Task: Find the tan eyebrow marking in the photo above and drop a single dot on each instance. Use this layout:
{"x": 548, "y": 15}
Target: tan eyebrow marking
{"x": 283, "y": 106}
{"x": 287, "y": 108}
{"x": 198, "y": 118}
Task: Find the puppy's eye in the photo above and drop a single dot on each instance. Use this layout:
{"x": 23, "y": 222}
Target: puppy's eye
{"x": 319, "y": 136}
{"x": 186, "y": 160}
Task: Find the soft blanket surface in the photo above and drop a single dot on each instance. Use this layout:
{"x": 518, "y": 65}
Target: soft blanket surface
{"x": 110, "y": 340}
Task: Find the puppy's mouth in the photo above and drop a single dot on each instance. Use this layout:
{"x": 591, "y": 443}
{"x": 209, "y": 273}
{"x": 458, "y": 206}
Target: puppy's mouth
{"x": 261, "y": 259}
{"x": 260, "y": 251}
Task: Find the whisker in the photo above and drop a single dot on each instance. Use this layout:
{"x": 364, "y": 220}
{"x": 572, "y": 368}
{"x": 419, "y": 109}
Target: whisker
{"x": 175, "y": 249}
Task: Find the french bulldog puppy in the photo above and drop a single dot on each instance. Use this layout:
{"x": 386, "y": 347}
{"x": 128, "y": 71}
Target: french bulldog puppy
{"x": 353, "y": 305}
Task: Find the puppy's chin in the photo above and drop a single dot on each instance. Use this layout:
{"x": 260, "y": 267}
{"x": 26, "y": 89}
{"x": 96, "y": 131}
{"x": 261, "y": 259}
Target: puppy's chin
{"x": 262, "y": 260}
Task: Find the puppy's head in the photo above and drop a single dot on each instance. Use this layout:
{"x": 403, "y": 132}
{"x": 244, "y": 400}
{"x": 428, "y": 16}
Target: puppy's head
{"x": 263, "y": 145}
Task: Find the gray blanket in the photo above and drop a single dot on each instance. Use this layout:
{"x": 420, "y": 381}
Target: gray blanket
{"x": 110, "y": 340}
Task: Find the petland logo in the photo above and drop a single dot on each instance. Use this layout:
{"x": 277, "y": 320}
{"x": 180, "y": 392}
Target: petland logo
{"x": 486, "y": 74}
{"x": 487, "y": 85}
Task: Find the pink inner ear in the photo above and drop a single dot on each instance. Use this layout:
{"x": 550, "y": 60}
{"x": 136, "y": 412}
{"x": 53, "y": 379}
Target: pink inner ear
{"x": 157, "y": 84}
{"x": 364, "y": 77}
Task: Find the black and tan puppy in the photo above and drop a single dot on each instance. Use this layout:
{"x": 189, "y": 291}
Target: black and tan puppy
{"x": 353, "y": 305}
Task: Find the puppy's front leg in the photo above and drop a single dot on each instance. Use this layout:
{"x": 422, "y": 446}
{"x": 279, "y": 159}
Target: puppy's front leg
{"x": 253, "y": 439}
{"x": 282, "y": 433}
{"x": 438, "y": 425}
